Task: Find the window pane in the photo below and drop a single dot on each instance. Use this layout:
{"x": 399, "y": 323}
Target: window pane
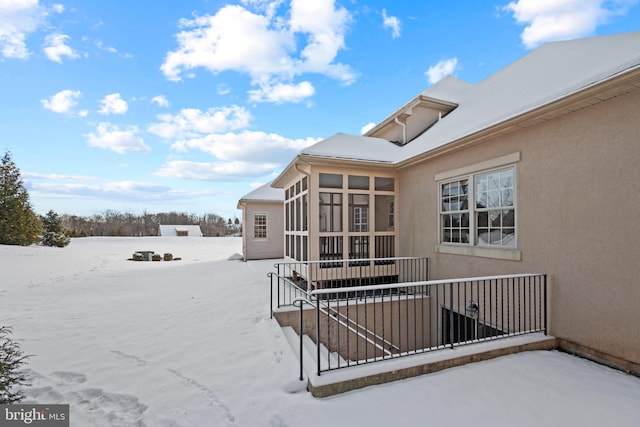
{"x": 358, "y": 182}
{"x": 384, "y": 184}
{"x": 305, "y": 207}
{"x": 454, "y": 196}
{"x": 260, "y": 226}
{"x": 330, "y": 180}
{"x": 359, "y": 212}
{"x": 385, "y": 215}
{"x": 495, "y": 193}
{"x": 330, "y": 212}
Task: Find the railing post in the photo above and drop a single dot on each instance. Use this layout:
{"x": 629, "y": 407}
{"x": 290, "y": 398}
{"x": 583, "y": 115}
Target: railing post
{"x": 271, "y": 297}
{"x": 451, "y": 314}
{"x": 545, "y": 303}
{"x": 318, "y": 335}
{"x": 301, "y": 345}
{"x": 279, "y": 279}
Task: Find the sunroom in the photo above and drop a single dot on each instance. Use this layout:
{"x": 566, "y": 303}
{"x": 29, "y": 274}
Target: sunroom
{"x": 340, "y": 225}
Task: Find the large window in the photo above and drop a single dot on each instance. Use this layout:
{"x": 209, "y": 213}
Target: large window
{"x": 495, "y": 211}
{"x": 479, "y": 209}
{"x": 260, "y": 226}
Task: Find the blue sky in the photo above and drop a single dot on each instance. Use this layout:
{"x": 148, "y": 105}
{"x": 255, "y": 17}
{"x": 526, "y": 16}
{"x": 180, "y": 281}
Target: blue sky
{"x": 188, "y": 105}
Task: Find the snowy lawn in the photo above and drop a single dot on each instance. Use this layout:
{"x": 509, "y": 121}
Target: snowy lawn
{"x": 190, "y": 343}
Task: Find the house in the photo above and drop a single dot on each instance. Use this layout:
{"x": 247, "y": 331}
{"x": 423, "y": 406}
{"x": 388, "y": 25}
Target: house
{"x": 532, "y": 170}
{"x": 180, "y": 230}
{"x": 262, "y": 216}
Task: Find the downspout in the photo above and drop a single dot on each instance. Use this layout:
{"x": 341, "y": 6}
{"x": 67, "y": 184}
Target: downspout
{"x": 404, "y": 130}
{"x": 295, "y": 166}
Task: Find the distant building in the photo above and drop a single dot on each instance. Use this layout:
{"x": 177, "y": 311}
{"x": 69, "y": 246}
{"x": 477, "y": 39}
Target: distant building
{"x": 180, "y": 230}
{"x": 263, "y": 223}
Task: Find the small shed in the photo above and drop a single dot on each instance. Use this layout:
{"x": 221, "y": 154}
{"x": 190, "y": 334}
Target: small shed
{"x": 180, "y": 230}
{"x": 263, "y": 223}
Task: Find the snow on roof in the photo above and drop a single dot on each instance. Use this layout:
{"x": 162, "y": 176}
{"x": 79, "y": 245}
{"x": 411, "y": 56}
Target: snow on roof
{"x": 449, "y": 89}
{"x": 352, "y": 147}
{"x": 172, "y": 230}
{"x": 265, "y": 193}
{"x": 547, "y": 74}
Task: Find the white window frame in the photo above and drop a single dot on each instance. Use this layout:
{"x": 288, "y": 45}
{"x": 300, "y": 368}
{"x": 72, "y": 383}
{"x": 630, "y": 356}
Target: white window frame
{"x": 257, "y": 226}
{"x": 360, "y": 219}
{"x": 472, "y": 248}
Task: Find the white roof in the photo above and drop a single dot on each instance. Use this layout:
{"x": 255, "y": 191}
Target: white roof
{"x": 170, "y": 230}
{"x": 344, "y": 146}
{"x": 264, "y": 193}
{"x": 549, "y": 73}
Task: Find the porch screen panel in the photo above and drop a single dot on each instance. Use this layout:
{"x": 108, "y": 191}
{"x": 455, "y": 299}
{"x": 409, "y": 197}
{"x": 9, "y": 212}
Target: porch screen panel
{"x": 331, "y": 212}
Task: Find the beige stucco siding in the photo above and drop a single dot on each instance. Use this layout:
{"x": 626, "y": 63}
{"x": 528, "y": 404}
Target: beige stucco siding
{"x": 577, "y": 216}
{"x": 273, "y": 245}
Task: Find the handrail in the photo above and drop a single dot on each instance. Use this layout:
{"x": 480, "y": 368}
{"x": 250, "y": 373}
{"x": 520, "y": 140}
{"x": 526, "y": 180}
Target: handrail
{"x": 416, "y": 284}
{"x": 355, "y": 331}
{"x": 363, "y": 322}
{"x": 288, "y": 281}
{"x": 456, "y": 312}
{"x": 367, "y": 331}
{"x": 299, "y": 302}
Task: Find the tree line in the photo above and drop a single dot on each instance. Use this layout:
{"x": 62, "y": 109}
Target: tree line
{"x": 113, "y": 223}
{"x": 20, "y": 225}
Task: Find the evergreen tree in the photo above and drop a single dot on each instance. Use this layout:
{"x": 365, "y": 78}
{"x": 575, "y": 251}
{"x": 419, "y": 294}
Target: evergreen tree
{"x": 11, "y": 374}
{"x": 53, "y": 234}
{"x": 19, "y": 225}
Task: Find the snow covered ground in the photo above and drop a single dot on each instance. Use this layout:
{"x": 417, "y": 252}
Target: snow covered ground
{"x": 190, "y": 343}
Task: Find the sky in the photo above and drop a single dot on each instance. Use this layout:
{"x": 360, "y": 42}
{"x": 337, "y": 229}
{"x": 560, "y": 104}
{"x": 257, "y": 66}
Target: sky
{"x": 187, "y": 106}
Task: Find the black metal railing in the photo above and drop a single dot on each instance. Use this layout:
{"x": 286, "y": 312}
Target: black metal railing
{"x": 293, "y": 280}
{"x": 364, "y": 324}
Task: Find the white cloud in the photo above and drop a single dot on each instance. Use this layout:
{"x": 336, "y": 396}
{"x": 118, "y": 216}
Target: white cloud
{"x": 113, "y": 104}
{"x": 191, "y": 122}
{"x": 160, "y": 100}
{"x": 281, "y": 92}
{"x": 366, "y": 128}
{"x": 442, "y": 69}
{"x": 55, "y": 48}
{"x": 325, "y": 27}
{"x": 54, "y": 186}
{"x": 111, "y": 137}
{"x": 549, "y": 20}
{"x": 246, "y": 146}
{"x": 262, "y": 45}
{"x": 100, "y": 45}
{"x": 17, "y": 20}
{"x": 391, "y": 22}
{"x": 58, "y": 8}
{"x": 62, "y": 102}
{"x": 213, "y": 171}
{"x": 223, "y": 89}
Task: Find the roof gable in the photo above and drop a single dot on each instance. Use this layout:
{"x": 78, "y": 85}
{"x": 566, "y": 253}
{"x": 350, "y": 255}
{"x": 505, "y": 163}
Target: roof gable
{"x": 551, "y": 73}
{"x": 264, "y": 193}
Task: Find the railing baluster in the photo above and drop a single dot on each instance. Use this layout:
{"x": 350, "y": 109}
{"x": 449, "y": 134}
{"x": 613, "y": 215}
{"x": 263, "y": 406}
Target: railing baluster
{"x": 503, "y": 306}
